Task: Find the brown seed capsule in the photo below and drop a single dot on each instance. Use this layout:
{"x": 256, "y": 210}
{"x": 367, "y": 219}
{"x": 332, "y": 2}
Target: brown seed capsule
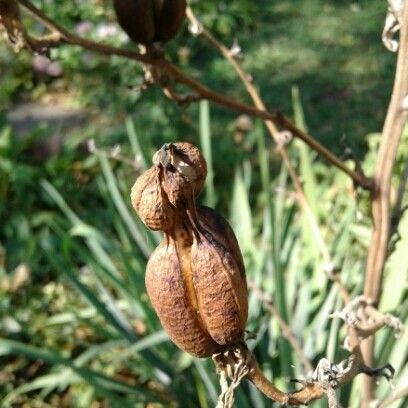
{"x": 136, "y": 17}
{"x": 169, "y": 17}
{"x": 197, "y": 286}
{"x": 187, "y": 160}
{"x": 195, "y": 279}
{"x": 147, "y": 21}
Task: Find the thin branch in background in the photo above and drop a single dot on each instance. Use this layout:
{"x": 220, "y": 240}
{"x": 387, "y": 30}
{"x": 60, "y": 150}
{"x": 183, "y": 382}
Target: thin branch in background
{"x": 286, "y": 331}
{"x": 197, "y": 28}
{"x": 393, "y": 127}
{"x": 327, "y": 377}
{"x": 166, "y": 68}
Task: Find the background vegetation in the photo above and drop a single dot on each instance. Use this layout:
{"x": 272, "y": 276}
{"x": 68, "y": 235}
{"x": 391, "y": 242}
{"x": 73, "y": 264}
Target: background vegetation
{"x": 76, "y": 326}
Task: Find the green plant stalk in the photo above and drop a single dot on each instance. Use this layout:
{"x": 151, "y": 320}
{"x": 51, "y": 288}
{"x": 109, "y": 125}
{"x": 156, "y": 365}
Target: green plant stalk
{"x": 285, "y": 353}
{"x": 205, "y": 137}
{"x": 135, "y": 144}
{"x": 121, "y": 207}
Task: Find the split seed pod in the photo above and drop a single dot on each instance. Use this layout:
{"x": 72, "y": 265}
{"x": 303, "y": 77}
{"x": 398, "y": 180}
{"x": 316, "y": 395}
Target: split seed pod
{"x": 147, "y": 21}
{"x": 195, "y": 278}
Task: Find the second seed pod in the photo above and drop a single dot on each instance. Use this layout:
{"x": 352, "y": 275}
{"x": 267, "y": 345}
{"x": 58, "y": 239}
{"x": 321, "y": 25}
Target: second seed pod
{"x": 147, "y": 21}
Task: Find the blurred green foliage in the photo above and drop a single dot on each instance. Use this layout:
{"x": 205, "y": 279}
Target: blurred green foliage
{"x": 76, "y": 327}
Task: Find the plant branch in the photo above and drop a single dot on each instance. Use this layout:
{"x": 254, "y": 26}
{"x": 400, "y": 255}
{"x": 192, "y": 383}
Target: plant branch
{"x": 237, "y": 362}
{"x": 166, "y": 68}
{"x": 325, "y": 380}
{"x": 394, "y": 124}
{"x": 328, "y": 377}
{"x": 197, "y": 28}
{"x": 393, "y": 127}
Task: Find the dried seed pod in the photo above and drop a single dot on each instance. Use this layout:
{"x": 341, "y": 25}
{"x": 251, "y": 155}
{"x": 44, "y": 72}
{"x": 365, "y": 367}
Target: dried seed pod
{"x": 169, "y": 17}
{"x": 195, "y": 279}
{"x": 196, "y": 283}
{"x": 223, "y": 233}
{"x": 149, "y": 201}
{"x": 219, "y": 278}
{"x": 147, "y": 21}
{"x": 136, "y": 17}
{"x": 178, "y": 174}
{"x": 167, "y": 287}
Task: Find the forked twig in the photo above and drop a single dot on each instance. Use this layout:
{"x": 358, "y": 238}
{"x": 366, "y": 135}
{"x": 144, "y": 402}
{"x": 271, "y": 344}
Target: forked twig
{"x": 197, "y": 28}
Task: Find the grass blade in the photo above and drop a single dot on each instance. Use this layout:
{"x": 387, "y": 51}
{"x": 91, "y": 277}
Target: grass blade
{"x": 205, "y": 137}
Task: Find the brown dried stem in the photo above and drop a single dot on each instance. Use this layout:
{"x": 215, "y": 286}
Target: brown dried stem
{"x": 166, "y": 68}
{"x": 398, "y": 207}
{"x": 325, "y": 380}
{"x": 394, "y": 124}
{"x": 329, "y": 377}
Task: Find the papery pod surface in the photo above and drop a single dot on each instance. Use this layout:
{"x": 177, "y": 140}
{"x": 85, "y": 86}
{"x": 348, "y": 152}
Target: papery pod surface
{"x": 219, "y": 278}
{"x": 167, "y": 291}
{"x": 149, "y": 201}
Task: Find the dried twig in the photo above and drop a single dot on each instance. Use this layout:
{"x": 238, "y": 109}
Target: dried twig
{"x": 237, "y": 362}
{"x": 197, "y": 28}
{"x": 393, "y": 127}
{"x": 327, "y": 376}
{"x": 394, "y": 124}
{"x": 365, "y": 320}
{"x": 62, "y": 36}
{"x": 325, "y": 380}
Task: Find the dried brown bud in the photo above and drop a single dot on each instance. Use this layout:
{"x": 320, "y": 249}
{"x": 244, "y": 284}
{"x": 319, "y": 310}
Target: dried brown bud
{"x": 147, "y": 21}
{"x": 195, "y": 278}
